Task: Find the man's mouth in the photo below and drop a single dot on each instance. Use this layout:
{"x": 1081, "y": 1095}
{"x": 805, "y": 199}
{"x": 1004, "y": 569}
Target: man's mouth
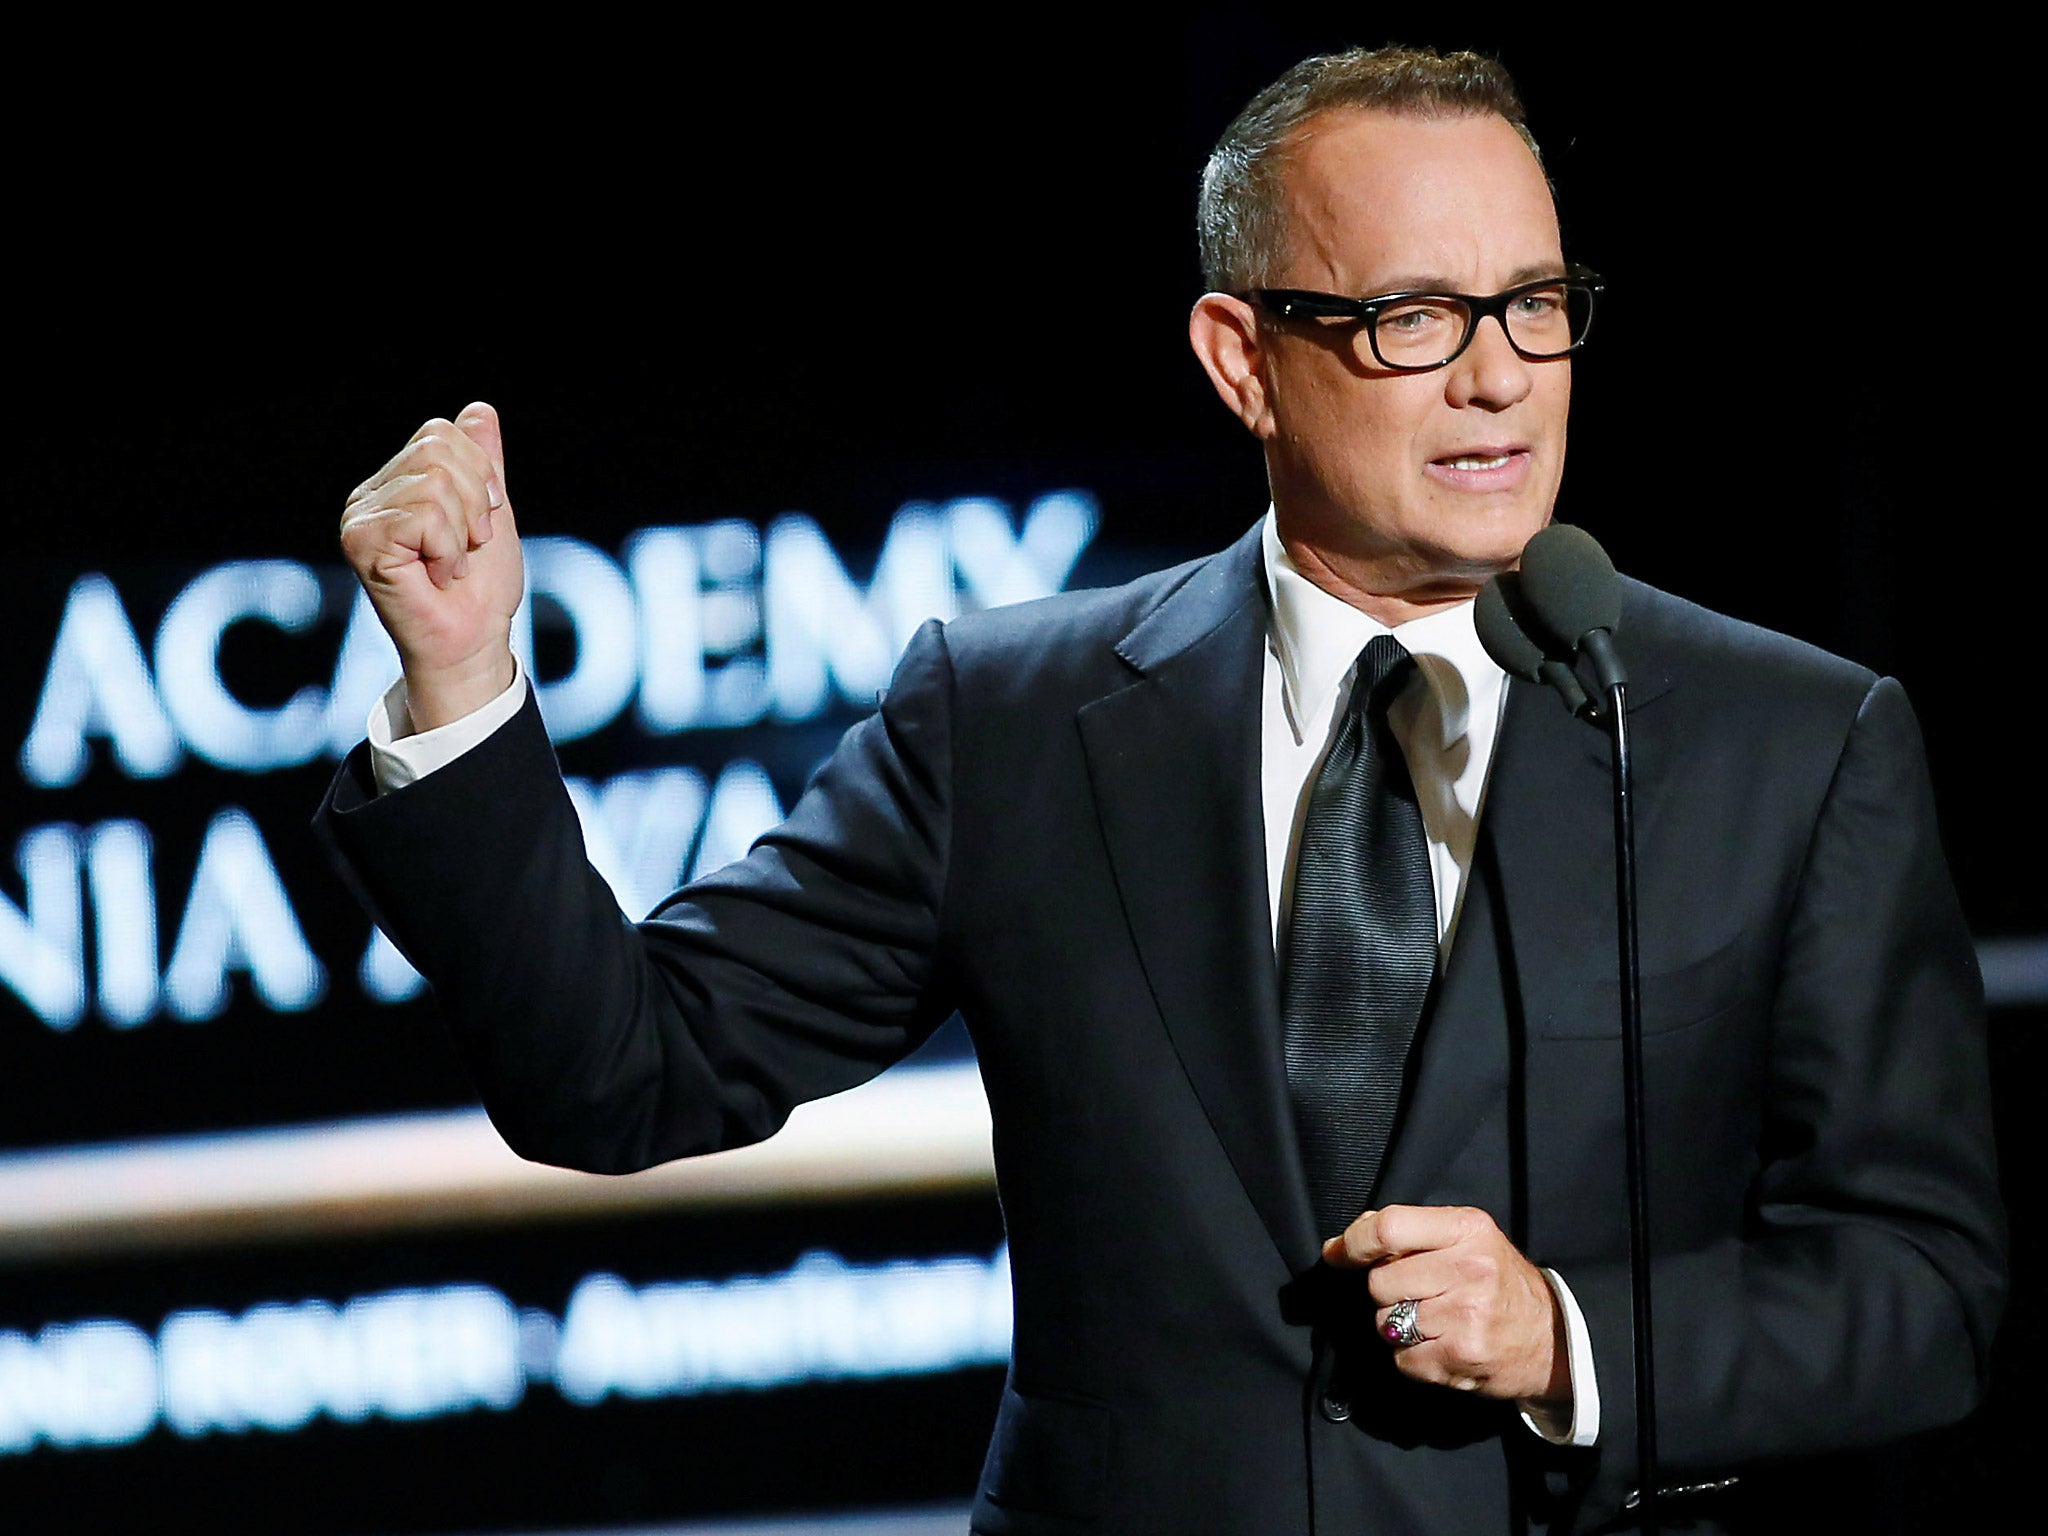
{"x": 1488, "y": 467}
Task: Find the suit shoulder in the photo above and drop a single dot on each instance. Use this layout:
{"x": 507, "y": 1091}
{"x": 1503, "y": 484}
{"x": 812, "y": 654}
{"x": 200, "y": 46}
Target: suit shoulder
{"x": 1071, "y": 634}
{"x": 1664, "y": 634}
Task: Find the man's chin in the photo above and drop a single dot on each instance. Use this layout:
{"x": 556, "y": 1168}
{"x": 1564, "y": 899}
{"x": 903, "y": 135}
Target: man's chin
{"x": 1484, "y": 551}
{"x": 1472, "y": 566}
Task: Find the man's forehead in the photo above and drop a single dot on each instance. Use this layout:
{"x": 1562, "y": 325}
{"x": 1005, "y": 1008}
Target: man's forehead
{"x": 1372, "y": 187}
{"x": 1350, "y": 154}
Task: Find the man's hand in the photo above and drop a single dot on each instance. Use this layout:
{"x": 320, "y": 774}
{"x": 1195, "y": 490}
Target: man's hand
{"x": 1489, "y": 1320}
{"x": 432, "y": 540}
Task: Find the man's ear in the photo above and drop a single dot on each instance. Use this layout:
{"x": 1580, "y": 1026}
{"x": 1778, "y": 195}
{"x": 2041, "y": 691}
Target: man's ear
{"x": 1225, "y": 335}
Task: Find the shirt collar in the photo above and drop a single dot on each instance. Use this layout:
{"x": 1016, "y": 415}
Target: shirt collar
{"x": 1317, "y": 638}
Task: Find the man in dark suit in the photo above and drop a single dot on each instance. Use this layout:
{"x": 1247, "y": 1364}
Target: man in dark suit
{"x": 1090, "y": 825}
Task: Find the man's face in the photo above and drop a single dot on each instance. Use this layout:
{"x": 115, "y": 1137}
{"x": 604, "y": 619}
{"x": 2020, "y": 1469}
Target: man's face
{"x": 1430, "y": 481}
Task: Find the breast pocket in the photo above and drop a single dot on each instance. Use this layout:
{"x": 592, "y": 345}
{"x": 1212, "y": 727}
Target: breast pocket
{"x": 1675, "y": 995}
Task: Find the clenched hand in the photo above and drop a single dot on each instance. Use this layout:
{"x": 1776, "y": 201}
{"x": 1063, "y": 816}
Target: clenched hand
{"x": 432, "y": 539}
{"x": 1489, "y": 1320}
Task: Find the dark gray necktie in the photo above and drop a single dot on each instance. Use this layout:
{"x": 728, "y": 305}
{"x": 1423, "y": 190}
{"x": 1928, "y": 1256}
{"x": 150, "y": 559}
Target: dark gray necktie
{"x": 1361, "y": 946}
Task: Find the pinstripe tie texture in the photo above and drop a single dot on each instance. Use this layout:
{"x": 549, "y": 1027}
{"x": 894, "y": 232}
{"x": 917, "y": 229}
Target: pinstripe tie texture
{"x": 1361, "y": 947}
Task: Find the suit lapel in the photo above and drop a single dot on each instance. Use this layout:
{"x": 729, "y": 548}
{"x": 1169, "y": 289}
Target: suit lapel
{"x": 1175, "y": 764}
{"x": 1174, "y": 760}
{"x": 1539, "y": 863}
{"x": 1547, "y": 835}
{"x": 1458, "y": 1073}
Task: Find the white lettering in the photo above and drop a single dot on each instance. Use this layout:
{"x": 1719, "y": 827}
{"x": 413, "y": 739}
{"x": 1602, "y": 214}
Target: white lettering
{"x": 430, "y": 1352}
{"x": 824, "y": 630}
{"x": 667, "y": 578}
{"x": 593, "y": 594}
{"x": 708, "y": 626}
{"x": 637, "y": 831}
{"x": 700, "y": 625}
{"x": 364, "y": 669}
{"x": 97, "y": 685}
{"x": 648, "y": 832}
{"x": 424, "y": 1353}
{"x": 239, "y": 918}
{"x": 117, "y": 864}
{"x": 273, "y": 1369}
{"x": 407, "y": 1354}
{"x": 213, "y": 722}
{"x": 85, "y": 1383}
{"x": 384, "y": 974}
{"x": 743, "y": 806}
{"x": 42, "y": 942}
{"x": 820, "y": 1320}
{"x": 1000, "y": 567}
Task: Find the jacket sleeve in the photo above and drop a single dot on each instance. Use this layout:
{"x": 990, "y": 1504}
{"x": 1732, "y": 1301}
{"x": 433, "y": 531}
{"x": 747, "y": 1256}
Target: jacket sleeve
{"x": 602, "y": 1044}
{"x": 1859, "y": 1304}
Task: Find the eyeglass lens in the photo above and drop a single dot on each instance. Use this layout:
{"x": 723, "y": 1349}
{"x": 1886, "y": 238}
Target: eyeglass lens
{"x": 1424, "y": 332}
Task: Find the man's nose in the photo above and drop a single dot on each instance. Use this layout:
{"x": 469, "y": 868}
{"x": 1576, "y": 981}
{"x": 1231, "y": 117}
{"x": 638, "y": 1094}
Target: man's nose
{"x": 1490, "y": 374}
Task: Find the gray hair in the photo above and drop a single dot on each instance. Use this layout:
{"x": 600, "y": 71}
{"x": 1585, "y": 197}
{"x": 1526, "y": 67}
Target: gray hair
{"x": 1242, "y": 215}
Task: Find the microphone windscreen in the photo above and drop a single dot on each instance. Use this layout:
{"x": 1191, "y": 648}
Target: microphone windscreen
{"x": 1512, "y": 650}
{"x": 1569, "y": 588}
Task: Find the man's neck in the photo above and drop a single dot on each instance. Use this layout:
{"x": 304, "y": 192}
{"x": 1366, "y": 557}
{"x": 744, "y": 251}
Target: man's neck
{"x": 1381, "y": 589}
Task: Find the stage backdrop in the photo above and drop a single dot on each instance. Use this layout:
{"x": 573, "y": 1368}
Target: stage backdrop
{"x": 797, "y": 345}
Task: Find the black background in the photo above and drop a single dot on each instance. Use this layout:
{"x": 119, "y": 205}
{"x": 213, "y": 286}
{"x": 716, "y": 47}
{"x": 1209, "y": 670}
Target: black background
{"x": 836, "y": 269}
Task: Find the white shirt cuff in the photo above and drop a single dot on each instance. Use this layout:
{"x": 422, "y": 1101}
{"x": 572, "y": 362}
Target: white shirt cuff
{"x": 398, "y": 757}
{"x": 1581, "y": 1426}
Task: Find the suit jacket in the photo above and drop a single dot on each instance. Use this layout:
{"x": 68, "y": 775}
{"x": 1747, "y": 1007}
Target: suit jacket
{"x": 1052, "y": 825}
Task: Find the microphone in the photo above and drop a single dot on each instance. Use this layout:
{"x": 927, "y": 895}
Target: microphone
{"x": 1504, "y": 639}
{"x": 1573, "y": 598}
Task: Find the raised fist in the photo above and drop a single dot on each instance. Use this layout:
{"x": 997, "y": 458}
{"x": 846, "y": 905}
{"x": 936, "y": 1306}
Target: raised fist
{"x": 432, "y": 539}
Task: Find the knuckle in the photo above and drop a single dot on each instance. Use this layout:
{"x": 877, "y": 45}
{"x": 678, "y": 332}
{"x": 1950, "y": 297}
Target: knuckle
{"x": 435, "y": 536}
{"x": 443, "y": 501}
{"x": 366, "y": 538}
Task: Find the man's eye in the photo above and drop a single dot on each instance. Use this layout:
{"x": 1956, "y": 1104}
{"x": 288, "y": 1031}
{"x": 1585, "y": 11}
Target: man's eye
{"x": 1539, "y": 305}
{"x": 1412, "y": 319}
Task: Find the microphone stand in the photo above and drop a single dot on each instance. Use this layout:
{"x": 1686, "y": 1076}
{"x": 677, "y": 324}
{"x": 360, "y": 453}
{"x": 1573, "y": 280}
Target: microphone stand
{"x": 1599, "y": 647}
{"x": 1567, "y": 585}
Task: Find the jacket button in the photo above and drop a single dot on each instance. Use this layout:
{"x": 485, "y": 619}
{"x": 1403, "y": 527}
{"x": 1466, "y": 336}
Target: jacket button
{"x": 1335, "y": 1408}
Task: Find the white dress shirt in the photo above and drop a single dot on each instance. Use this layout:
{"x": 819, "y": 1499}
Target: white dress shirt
{"x": 1446, "y": 725}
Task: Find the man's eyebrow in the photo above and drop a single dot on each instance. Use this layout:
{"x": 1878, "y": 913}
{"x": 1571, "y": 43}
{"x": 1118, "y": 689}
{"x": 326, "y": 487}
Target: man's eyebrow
{"x": 1429, "y": 283}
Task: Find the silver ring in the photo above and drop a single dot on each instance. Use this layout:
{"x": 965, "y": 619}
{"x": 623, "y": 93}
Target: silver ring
{"x": 1400, "y": 1329}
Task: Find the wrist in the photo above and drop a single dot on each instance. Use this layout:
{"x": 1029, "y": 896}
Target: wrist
{"x": 1557, "y": 1391}
{"x": 438, "y": 696}
{"x": 1549, "y": 1378}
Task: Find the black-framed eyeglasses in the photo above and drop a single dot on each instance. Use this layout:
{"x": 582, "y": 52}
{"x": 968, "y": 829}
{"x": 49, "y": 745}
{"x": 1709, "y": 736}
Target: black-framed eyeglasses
{"x": 1415, "y": 332}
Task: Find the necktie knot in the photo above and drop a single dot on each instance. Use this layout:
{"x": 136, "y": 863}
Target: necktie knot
{"x": 1383, "y": 670}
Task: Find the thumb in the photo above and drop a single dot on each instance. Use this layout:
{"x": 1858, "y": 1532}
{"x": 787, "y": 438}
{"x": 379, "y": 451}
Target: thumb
{"x": 479, "y": 423}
